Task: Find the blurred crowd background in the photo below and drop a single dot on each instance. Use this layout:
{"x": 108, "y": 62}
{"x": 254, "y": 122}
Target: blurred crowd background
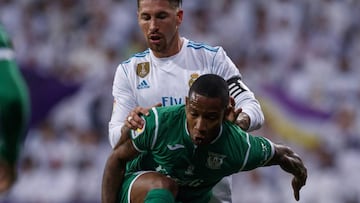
{"x": 300, "y": 57}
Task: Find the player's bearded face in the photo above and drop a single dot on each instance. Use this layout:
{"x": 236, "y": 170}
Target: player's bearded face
{"x": 204, "y": 117}
{"x": 159, "y": 22}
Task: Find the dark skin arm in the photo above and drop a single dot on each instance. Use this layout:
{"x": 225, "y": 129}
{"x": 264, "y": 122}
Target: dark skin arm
{"x": 290, "y": 162}
{"x": 243, "y": 121}
{"x": 7, "y": 175}
{"x": 287, "y": 159}
{"x": 115, "y": 167}
{"x": 237, "y": 116}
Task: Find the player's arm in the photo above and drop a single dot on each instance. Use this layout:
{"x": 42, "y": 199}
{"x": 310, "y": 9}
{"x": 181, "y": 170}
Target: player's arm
{"x": 115, "y": 167}
{"x": 290, "y": 162}
{"x": 124, "y": 102}
{"x": 251, "y": 116}
{"x": 261, "y": 152}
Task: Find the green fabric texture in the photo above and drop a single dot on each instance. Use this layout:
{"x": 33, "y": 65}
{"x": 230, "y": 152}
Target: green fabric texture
{"x": 159, "y": 196}
{"x": 14, "y": 102}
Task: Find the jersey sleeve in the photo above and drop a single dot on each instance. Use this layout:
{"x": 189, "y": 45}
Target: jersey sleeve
{"x": 14, "y": 102}
{"x": 124, "y": 102}
{"x": 259, "y": 152}
{"x": 244, "y": 97}
{"x": 144, "y": 139}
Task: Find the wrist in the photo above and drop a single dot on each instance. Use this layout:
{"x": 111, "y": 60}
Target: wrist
{"x": 243, "y": 121}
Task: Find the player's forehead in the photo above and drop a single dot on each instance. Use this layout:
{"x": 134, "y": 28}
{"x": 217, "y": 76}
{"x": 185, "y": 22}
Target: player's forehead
{"x": 154, "y": 5}
{"x": 205, "y": 104}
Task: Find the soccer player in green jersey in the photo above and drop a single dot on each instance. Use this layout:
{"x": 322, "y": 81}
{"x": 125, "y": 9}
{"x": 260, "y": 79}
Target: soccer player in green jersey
{"x": 14, "y": 112}
{"x": 182, "y": 151}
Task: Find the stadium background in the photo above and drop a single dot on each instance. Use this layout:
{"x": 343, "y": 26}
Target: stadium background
{"x": 301, "y": 58}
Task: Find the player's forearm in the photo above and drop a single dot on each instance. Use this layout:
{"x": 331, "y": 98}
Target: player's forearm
{"x": 252, "y": 117}
{"x": 112, "y": 179}
{"x": 290, "y": 162}
{"x": 284, "y": 156}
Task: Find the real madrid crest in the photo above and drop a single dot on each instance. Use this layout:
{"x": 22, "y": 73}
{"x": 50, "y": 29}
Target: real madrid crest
{"x": 193, "y": 77}
{"x": 142, "y": 69}
{"x": 214, "y": 160}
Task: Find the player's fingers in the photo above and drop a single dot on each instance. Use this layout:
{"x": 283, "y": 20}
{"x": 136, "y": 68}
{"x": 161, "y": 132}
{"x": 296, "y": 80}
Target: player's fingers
{"x": 158, "y": 105}
{"x": 238, "y": 111}
{"x": 140, "y": 111}
{"x": 129, "y": 124}
{"x": 297, "y": 184}
{"x": 295, "y": 189}
{"x": 232, "y": 102}
{"x": 137, "y": 121}
{"x": 134, "y": 121}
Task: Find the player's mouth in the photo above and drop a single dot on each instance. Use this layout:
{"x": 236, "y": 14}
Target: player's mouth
{"x": 198, "y": 139}
{"x": 154, "y": 38}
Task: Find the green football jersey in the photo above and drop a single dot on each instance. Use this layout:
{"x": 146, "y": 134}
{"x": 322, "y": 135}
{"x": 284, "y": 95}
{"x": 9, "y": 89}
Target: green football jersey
{"x": 14, "y": 102}
{"x": 168, "y": 149}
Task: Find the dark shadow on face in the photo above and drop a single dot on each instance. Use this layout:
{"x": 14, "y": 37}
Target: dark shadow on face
{"x": 204, "y": 117}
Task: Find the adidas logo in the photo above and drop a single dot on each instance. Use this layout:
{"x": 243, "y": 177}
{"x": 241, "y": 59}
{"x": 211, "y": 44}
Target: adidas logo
{"x": 143, "y": 84}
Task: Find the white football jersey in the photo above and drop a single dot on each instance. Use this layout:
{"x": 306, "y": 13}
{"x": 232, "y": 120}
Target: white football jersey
{"x": 145, "y": 80}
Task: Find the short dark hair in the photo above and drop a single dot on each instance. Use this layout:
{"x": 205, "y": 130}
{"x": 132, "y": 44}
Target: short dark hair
{"x": 174, "y": 3}
{"x": 211, "y": 85}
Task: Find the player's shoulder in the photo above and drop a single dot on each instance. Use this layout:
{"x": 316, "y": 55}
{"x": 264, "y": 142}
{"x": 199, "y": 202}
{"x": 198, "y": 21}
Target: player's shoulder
{"x": 167, "y": 112}
{"x": 197, "y": 46}
{"x": 137, "y": 57}
{"x": 233, "y": 131}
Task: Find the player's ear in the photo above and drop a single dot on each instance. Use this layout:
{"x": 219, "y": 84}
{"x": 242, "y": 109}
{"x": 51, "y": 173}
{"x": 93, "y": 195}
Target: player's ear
{"x": 179, "y": 15}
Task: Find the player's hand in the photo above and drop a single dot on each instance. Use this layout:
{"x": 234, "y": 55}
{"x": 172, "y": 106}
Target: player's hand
{"x": 7, "y": 176}
{"x": 134, "y": 120}
{"x": 237, "y": 116}
{"x": 243, "y": 121}
{"x": 291, "y": 162}
{"x": 232, "y": 113}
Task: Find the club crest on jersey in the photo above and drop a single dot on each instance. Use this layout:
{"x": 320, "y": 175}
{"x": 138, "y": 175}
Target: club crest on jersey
{"x": 193, "y": 77}
{"x": 214, "y": 160}
{"x": 143, "y": 69}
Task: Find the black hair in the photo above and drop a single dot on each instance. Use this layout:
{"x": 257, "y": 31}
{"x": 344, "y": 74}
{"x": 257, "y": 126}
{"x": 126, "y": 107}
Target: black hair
{"x": 211, "y": 85}
{"x": 174, "y": 3}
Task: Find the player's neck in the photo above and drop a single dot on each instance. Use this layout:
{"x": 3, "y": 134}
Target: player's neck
{"x": 174, "y": 48}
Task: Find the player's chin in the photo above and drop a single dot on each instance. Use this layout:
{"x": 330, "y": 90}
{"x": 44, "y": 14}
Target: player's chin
{"x": 198, "y": 140}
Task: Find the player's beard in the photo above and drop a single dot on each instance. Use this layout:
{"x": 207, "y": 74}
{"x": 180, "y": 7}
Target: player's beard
{"x": 158, "y": 47}
{"x": 163, "y": 46}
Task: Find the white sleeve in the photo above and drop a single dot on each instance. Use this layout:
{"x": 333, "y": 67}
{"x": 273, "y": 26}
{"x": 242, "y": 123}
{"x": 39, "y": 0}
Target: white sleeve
{"x": 124, "y": 102}
{"x": 244, "y": 97}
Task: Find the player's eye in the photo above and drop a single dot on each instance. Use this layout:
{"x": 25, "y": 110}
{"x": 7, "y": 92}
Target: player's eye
{"x": 193, "y": 114}
{"x": 145, "y": 17}
{"x": 162, "y": 15}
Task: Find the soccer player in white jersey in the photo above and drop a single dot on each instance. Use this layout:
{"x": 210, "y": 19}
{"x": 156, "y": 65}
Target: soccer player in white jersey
{"x": 164, "y": 72}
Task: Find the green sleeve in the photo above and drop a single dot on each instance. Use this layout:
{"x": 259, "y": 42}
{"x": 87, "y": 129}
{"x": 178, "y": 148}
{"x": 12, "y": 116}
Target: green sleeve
{"x": 144, "y": 139}
{"x": 14, "y": 102}
{"x": 260, "y": 151}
